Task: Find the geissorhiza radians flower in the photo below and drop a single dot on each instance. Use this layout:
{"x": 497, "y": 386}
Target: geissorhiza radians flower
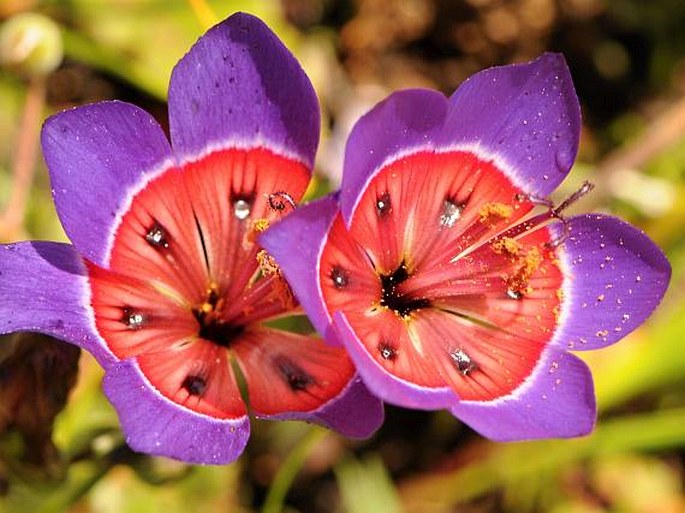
{"x": 450, "y": 278}
{"x": 163, "y": 282}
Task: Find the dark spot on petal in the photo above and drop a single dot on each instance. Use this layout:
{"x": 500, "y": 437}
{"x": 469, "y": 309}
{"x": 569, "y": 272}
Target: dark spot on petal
{"x": 157, "y": 236}
{"x": 387, "y": 350}
{"x": 195, "y": 385}
{"x": 132, "y": 319}
{"x": 294, "y": 375}
{"x": 340, "y": 277}
{"x": 383, "y": 205}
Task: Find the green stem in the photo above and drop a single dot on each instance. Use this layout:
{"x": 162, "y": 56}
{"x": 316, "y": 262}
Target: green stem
{"x": 289, "y": 469}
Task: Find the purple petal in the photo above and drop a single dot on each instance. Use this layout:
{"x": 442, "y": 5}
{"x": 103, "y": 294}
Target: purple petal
{"x": 240, "y": 86}
{"x": 405, "y": 120}
{"x": 153, "y": 424}
{"x": 616, "y": 277}
{"x": 355, "y": 413}
{"x": 556, "y": 401}
{"x": 383, "y": 384}
{"x": 44, "y": 288}
{"x": 97, "y": 155}
{"x": 525, "y": 117}
{"x": 306, "y": 230}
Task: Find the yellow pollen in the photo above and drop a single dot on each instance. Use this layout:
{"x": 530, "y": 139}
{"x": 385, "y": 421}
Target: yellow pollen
{"x": 258, "y": 226}
{"x": 270, "y": 269}
{"x": 507, "y": 246}
{"x": 494, "y": 212}
{"x": 529, "y": 262}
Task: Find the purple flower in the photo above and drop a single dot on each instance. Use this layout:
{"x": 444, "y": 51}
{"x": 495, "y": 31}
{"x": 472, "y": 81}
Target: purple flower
{"x": 165, "y": 283}
{"x": 450, "y": 279}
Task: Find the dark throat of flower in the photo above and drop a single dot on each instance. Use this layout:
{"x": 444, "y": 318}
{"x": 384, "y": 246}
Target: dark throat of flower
{"x": 393, "y": 298}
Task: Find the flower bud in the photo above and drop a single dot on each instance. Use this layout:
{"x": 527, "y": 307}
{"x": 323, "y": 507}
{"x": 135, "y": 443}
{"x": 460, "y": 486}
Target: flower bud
{"x": 31, "y": 44}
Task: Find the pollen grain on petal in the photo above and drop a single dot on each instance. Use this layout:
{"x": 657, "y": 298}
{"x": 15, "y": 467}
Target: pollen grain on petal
{"x": 494, "y": 212}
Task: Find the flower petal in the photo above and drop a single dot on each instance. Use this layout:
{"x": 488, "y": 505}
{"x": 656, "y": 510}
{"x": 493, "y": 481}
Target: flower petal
{"x": 406, "y": 120}
{"x": 298, "y": 377}
{"x": 528, "y": 115}
{"x": 525, "y": 118}
{"x": 43, "y": 288}
{"x": 305, "y": 229}
{"x": 385, "y": 384}
{"x": 96, "y": 155}
{"x": 615, "y": 276}
{"x": 556, "y": 401}
{"x": 154, "y": 424}
{"x": 240, "y": 86}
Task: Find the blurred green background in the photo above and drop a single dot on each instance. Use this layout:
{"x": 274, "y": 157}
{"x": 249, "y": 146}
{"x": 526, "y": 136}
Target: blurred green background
{"x": 627, "y": 58}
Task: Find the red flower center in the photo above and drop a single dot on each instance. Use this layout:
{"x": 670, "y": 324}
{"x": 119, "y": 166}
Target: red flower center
{"x": 185, "y": 293}
{"x": 441, "y": 278}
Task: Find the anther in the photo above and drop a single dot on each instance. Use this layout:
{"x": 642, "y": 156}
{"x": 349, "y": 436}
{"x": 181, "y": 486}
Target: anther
{"x": 281, "y": 201}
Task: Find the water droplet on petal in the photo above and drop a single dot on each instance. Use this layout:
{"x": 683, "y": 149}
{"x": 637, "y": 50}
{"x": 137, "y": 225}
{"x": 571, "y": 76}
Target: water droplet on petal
{"x": 340, "y": 277}
{"x": 383, "y": 205}
{"x": 463, "y": 361}
{"x": 451, "y": 212}
{"x": 554, "y": 366}
{"x": 241, "y": 209}
{"x": 387, "y": 351}
{"x": 157, "y": 236}
{"x": 514, "y": 294}
{"x": 132, "y": 319}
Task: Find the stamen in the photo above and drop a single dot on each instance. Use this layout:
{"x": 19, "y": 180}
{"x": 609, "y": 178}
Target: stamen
{"x": 241, "y": 209}
{"x": 492, "y": 213}
{"x": 157, "y": 236}
{"x": 383, "y": 205}
{"x": 451, "y": 212}
{"x": 280, "y": 201}
{"x": 465, "y": 365}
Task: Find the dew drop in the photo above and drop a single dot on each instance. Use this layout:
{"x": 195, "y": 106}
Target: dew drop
{"x": 553, "y": 367}
{"x": 157, "y": 236}
{"x": 465, "y": 365}
{"x": 451, "y": 212}
{"x": 638, "y": 278}
{"x": 514, "y": 294}
{"x": 383, "y": 205}
{"x": 194, "y": 385}
{"x": 241, "y": 209}
{"x": 626, "y": 317}
{"x": 340, "y": 277}
{"x": 387, "y": 351}
{"x": 132, "y": 319}
{"x": 600, "y": 298}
